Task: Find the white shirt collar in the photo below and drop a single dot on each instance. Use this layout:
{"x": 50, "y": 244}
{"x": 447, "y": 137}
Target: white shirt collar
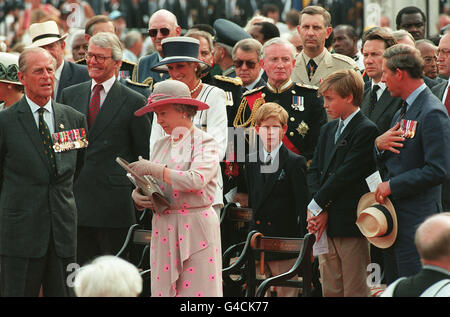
{"x": 349, "y": 118}
{"x": 273, "y": 153}
{"x": 34, "y": 107}
{"x": 58, "y": 71}
{"x": 107, "y": 84}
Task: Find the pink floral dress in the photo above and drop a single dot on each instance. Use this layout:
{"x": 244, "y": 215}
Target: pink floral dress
{"x": 185, "y": 256}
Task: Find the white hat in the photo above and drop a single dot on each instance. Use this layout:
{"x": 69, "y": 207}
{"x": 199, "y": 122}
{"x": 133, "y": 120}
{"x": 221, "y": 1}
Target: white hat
{"x": 45, "y": 33}
{"x": 9, "y": 66}
{"x": 378, "y": 223}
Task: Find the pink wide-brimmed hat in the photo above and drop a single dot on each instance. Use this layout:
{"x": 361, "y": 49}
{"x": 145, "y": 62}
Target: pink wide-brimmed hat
{"x": 170, "y": 92}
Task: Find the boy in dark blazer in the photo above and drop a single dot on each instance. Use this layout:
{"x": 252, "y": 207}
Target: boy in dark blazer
{"x": 276, "y": 181}
{"x": 343, "y": 158}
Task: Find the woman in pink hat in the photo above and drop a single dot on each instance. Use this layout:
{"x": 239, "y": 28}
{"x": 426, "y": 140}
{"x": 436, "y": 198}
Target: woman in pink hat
{"x": 11, "y": 89}
{"x": 185, "y": 249}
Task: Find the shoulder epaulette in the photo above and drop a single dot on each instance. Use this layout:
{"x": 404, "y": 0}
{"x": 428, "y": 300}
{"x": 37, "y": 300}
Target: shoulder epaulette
{"x": 234, "y": 80}
{"x": 81, "y": 61}
{"x": 343, "y": 58}
{"x": 128, "y": 80}
{"x": 129, "y": 62}
{"x": 307, "y": 86}
{"x": 253, "y": 91}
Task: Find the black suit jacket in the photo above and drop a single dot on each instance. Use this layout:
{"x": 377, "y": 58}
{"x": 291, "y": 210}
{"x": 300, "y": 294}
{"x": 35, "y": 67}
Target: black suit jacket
{"x": 384, "y": 110}
{"x": 36, "y": 206}
{"x": 415, "y": 285}
{"x": 336, "y": 176}
{"x": 280, "y": 202}
{"x": 102, "y": 191}
{"x": 71, "y": 74}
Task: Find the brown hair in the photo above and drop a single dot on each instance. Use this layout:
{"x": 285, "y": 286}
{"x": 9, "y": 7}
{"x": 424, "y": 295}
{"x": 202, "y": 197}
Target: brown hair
{"x": 313, "y": 10}
{"x": 271, "y": 109}
{"x": 88, "y": 29}
{"x": 381, "y": 34}
{"x": 404, "y": 57}
{"x": 344, "y": 83}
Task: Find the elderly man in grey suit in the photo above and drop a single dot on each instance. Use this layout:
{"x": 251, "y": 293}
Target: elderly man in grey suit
{"x": 102, "y": 191}
{"x": 37, "y": 205}
{"x": 415, "y": 153}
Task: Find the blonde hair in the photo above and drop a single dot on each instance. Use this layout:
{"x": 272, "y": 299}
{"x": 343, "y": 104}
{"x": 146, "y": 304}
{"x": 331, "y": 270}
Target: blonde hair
{"x": 269, "y": 110}
{"x": 344, "y": 83}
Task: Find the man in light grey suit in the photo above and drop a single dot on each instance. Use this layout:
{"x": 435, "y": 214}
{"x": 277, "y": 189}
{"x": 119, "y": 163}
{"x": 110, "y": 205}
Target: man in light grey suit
{"x": 415, "y": 153}
{"x": 37, "y": 204}
{"x": 102, "y": 191}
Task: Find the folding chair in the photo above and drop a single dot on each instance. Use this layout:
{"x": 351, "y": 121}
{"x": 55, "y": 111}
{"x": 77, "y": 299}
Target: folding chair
{"x": 257, "y": 244}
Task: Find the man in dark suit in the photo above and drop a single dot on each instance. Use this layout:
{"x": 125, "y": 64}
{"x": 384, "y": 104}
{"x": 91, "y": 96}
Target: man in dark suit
{"x": 276, "y": 181}
{"x": 37, "y": 204}
{"x": 46, "y": 35}
{"x": 378, "y": 104}
{"x": 415, "y": 154}
{"x": 162, "y": 24}
{"x": 336, "y": 179}
{"x": 431, "y": 240}
{"x": 102, "y": 191}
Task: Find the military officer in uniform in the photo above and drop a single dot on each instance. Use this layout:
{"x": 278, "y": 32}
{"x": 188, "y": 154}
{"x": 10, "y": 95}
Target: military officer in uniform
{"x": 315, "y": 62}
{"x": 306, "y": 114}
{"x": 227, "y": 35}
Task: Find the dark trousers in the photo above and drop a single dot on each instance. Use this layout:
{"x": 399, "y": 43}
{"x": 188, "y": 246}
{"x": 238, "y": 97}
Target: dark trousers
{"x": 24, "y": 276}
{"x": 94, "y": 242}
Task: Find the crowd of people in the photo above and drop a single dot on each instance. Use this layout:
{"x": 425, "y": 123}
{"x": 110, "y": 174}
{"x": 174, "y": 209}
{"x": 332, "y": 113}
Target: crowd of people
{"x": 317, "y": 110}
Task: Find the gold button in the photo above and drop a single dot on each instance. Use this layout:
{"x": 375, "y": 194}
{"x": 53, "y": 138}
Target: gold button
{"x": 291, "y": 134}
{"x": 292, "y": 119}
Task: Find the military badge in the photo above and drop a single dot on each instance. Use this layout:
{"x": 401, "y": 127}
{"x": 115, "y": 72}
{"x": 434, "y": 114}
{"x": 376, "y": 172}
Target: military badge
{"x": 229, "y": 97}
{"x": 69, "y": 140}
{"x": 297, "y": 103}
{"x": 303, "y": 129}
{"x": 408, "y": 127}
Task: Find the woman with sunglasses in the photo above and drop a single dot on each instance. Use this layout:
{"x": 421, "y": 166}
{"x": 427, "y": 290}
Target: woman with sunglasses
{"x": 11, "y": 89}
{"x": 182, "y": 63}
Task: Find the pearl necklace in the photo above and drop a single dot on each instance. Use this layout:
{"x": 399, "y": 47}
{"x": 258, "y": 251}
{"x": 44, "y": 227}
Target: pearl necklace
{"x": 196, "y": 87}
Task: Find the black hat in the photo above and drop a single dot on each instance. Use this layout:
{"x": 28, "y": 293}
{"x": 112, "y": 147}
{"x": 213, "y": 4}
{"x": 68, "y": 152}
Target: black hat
{"x": 229, "y": 33}
{"x": 179, "y": 49}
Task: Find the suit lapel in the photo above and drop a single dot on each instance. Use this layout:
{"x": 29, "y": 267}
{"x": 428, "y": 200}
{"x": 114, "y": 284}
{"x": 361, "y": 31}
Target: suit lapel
{"x": 112, "y": 104}
{"x": 61, "y": 124}
{"x": 29, "y": 124}
{"x": 383, "y": 103}
{"x": 273, "y": 177}
{"x": 66, "y": 76}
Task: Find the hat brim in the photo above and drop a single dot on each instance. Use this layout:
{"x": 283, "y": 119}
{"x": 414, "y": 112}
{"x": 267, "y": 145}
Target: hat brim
{"x": 184, "y": 101}
{"x": 368, "y": 200}
{"x": 47, "y": 41}
{"x": 11, "y": 82}
{"x": 162, "y": 65}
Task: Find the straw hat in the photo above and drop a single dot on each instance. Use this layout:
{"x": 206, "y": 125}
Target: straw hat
{"x": 378, "y": 223}
{"x": 45, "y": 33}
{"x": 179, "y": 49}
{"x": 9, "y": 66}
{"x": 170, "y": 92}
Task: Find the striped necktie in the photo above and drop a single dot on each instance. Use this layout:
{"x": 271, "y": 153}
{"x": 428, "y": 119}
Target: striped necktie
{"x": 44, "y": 132}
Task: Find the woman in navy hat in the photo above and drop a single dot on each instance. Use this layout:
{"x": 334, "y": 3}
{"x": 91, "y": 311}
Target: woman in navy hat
{"x": 182, "y": 63}
{"x": 11, "y": 89}
{"x": 185, "y": 254}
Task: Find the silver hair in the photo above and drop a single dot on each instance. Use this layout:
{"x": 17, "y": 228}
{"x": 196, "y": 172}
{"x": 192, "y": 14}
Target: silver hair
{"x": 248, "y": 45}
{"x": 278, "y": 40}
{"x": 110, "y": 41}
{"x": 132, "y": 38}
{"x": 23, "y": 60}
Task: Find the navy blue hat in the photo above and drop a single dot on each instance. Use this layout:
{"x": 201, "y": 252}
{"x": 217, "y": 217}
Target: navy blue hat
{"x": 179, "y": 49}
{"x": 229, "y": 33}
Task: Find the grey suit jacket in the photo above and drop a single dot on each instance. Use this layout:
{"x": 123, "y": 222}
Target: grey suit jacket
{"x": 71, "y": 74}
{"x": 439, "y": 90}
{"x": 34, "y": 205}
{"x": 384, "y": 110}
{"x": 102, "y": 191}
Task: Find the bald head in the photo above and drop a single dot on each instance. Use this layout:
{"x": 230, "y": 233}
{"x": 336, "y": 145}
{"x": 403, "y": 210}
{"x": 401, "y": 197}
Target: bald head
{"x": 161, "y": 25}
{"x": 165, "y": 15}
{"x": 433, "y": 240}
{"x": 429, "y": 54}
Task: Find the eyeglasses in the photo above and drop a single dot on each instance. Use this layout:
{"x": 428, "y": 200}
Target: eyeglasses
{"x": 238, "y": 63}
{"x": 154, "y": 32}
{"x": 430, "y": 59}
{"x": 443, "y": 51}
{"x": 98, "y": 58}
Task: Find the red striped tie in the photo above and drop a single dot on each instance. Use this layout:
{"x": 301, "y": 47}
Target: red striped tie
{"x": 94, "y": 105}
{"x": 447, "y": 101}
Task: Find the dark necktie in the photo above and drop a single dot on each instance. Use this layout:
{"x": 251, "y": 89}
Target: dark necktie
{"x": 403, "y": 107}
{"x": 338, "y": 131}
{"x": 267, "y": 163}
{"x": 47, "y": 140}
{"x": 94, "y": 105}
{"x": 311, "y": 68}
{"x": 447, "y": 101}
{"x": 373, "y": 98}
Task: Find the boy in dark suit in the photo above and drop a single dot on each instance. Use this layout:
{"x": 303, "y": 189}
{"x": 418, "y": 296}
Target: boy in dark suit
{"x": 276, "y": 180}
{"x": 343, "y": 158}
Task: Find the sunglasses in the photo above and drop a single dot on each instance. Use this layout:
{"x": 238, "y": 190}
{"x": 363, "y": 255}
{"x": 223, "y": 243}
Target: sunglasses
{"x": 238, "y": 63}
{"x": 154, "y": 32}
